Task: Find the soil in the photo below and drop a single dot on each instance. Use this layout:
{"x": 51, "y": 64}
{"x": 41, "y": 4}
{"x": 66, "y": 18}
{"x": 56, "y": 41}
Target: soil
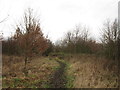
{"x": 58, "y": 79}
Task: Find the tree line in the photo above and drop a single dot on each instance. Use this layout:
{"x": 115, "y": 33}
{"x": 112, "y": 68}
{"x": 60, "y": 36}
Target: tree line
{"x": 79, "y": 41}
{"x": 29, "y": 40}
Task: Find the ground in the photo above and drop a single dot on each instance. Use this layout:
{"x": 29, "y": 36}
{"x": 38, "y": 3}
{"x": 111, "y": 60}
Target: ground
{"x": 74, "y": 71}
{"x": 90, "y": 71}
{"x": 39, "y": 70}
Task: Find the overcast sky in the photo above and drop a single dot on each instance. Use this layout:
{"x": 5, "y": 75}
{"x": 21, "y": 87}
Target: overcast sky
{"x": 59, "y": 16}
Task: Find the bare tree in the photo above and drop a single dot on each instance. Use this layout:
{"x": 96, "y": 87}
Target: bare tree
{"x": 75, "y": 39}
{"x": 1, "y": 33}
{"x": 109, "y": 38}
{"x": 3, "y": 20}
{"x": 86, "y": 34}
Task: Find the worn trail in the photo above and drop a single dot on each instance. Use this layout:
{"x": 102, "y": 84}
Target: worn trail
{"x": 58, "y": 79}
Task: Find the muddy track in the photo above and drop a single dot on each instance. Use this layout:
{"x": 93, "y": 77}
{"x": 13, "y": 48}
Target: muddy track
{"x": 58, "y": 79}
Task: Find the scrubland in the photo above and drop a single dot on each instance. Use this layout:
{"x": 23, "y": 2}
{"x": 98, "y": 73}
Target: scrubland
{"x": 83, "y": 71}
{"x": 39, "y": 70}
{"x": 90, "y": 71}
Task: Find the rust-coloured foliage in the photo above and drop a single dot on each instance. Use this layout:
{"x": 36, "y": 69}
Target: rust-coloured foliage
{"x": 30, "y": 40}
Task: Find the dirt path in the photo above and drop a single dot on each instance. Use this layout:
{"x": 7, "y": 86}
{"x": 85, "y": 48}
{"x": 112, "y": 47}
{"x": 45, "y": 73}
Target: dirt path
{"x": 58, "y": 79}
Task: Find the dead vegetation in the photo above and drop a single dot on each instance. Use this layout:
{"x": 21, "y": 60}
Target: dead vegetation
{"x": 87, "y": 71}
{"x": 39, "y": 71}
{"x": 92, "y": 72}
{"x": 23, "y": 69}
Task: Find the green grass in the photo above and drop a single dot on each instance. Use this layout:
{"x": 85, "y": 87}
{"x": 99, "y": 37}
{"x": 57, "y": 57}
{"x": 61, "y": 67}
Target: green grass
{"x": 69, "y": 76}
{"x": 17, "y": 82}
{"x": 70, "y": 80}
{"x": 46, "y": 86}
{"x": 56, "y": 68}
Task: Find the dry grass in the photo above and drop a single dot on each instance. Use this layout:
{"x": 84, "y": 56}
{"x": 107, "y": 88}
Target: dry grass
{"x": 39, "y": 70}
{"x": 88, "y": 71}
{"x": 93, "y": 72}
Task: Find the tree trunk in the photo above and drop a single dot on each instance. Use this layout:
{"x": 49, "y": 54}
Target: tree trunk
{"x": 25, "y": 68}
{"x": 25, "y": 62}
